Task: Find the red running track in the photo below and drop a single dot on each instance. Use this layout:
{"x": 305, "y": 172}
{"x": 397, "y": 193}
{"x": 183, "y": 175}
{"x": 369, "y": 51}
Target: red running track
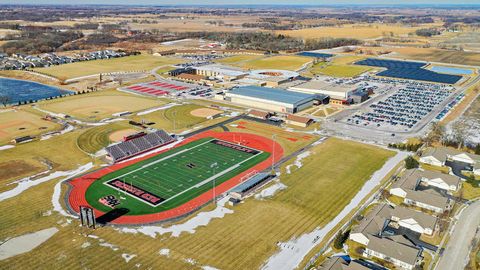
{"x": 80, "y": 185}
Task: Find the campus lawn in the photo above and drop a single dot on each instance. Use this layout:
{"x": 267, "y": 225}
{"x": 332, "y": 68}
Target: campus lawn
{"x": 143, "y": 62}
{"x": 341, "y": 66}
{"x": 99, "y": 105}
{"x": 340, "y": 70}
{"x": 238, "y": 59}
{"x": 287, "y": 62}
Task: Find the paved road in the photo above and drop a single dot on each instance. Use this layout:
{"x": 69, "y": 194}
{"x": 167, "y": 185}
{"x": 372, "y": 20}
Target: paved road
{"x": 455, "y": 255}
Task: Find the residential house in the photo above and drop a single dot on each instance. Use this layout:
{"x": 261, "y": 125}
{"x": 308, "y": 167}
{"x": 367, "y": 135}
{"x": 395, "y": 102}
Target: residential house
{"x": 399, "y": 252}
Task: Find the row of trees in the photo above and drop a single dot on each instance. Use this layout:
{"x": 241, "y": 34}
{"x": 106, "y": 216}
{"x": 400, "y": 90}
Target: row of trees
{"x": 35, "y": 42}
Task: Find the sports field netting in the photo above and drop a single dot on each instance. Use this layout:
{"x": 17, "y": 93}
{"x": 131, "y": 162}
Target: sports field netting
{"x": 174, "y": 177}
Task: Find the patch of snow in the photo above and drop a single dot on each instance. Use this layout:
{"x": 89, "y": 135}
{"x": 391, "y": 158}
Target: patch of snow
{"x": 86, "y": 244}
{"x": 270, "y": 191}
{"x": 93, "y": 236}
{"x": 111, "y": 246}
{"x": 298, "y": 161}
{"x": 167, "y": 106}
{"x": 190, "y": 261}
{"x": 28, "y": 178}
{"x": 57, "y": 190}
{"x": 164, "y": 252}
{"x": 26, "y": 183}
{"x": 292, "y": 252}
{"x": 48, "y": 213}
{"x": 201, "y": 219}
{"x": 206, "y": 267}
{"x": 7, "y": 146}
{"x": 127, "y": 257}
{"x": 25, "y": 243}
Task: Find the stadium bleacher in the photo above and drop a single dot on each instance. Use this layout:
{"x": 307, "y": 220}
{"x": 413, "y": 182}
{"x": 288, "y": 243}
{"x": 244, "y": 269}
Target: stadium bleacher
{"x": 138, "y": 145}
{"x": 409, "y": 70}
{"x": 315, "y": 54}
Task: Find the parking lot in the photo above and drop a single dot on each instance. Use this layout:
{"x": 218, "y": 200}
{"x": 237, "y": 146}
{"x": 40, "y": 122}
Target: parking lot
{"x": 402, "y": 109}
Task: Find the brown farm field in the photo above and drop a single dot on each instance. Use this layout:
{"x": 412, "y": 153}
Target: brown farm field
{"x": 360, "y": 31}
{"x": 437, "y": 55}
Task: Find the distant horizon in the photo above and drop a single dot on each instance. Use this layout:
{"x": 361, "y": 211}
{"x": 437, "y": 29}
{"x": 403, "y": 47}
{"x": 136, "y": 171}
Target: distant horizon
{"x": 244, "y": 3}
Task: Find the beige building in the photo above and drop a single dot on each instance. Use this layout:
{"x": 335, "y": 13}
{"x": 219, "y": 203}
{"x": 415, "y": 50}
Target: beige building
{"x": 339, "y": 94}
{"x": 225, "y": 73}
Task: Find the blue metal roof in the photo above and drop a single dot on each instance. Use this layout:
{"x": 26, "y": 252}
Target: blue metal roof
{"x": 274, "y": 94}
{"x": 250, "y": 182}
{"x": 315, "y": 54}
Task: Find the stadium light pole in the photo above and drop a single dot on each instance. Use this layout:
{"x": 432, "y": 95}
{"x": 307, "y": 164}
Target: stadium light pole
{"x": 214, "y": 166}
{"x": 274, "y": 136}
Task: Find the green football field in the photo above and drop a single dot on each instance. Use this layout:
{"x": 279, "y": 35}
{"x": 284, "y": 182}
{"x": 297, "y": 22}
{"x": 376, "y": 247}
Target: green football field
{"x": 174, "y": 177}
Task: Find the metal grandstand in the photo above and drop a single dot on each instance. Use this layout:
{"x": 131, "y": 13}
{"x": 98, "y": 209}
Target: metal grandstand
{"x": 138, "y": 145}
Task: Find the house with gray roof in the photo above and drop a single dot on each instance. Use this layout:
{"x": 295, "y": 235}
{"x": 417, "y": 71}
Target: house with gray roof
{"x": 428, "y": 201}
{"x": 438, "y": 156}
{"x": 399, "y": 253}
{"x": 383, "y": 215}
{"x": 414, "y": 178}
{"x": 338, "y": 263}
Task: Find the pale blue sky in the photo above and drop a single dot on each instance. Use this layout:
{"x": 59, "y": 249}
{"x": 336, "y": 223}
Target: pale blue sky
{"x": 240, "y": 2}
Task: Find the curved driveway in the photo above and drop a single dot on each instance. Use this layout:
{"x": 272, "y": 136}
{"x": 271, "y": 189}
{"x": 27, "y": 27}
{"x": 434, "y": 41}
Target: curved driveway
{"x": 456, "y": 253}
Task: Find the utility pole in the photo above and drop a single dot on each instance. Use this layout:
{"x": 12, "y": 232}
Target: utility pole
{"x": 274, "y": 136}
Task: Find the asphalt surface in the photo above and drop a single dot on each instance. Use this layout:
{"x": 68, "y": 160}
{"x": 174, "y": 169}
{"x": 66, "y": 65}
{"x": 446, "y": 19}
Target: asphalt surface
{"x": 335, "y": 127}
{"x": 455, "y": 255}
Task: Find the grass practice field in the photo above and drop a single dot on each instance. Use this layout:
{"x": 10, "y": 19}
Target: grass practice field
{"x": 341, "y": 66}
{"x": 287, "y": 62}
{"x": 238, "y": 59}
{"x": 129, "y": 63}
{"x": 18, "y": 123}
{"x": 174, "y": 177}
{"x": 176, "y": 118}
{"x": 99, "y": 105}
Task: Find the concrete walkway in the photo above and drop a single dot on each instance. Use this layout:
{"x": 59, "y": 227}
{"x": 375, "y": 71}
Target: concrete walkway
{"x": 455, "y": 256}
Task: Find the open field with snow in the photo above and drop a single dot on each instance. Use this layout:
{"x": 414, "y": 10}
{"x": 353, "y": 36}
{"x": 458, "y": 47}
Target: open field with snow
{"x": 240, "y": 237}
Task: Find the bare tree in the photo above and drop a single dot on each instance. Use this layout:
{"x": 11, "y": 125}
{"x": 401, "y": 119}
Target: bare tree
{"x": 459, "y": 133}
{"x": 4, "y": 100}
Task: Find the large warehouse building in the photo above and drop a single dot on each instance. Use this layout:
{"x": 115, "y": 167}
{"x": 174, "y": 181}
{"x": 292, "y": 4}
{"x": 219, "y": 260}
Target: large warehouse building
{"x": 272, "y": 99}
{"x": 339, "y": 94}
